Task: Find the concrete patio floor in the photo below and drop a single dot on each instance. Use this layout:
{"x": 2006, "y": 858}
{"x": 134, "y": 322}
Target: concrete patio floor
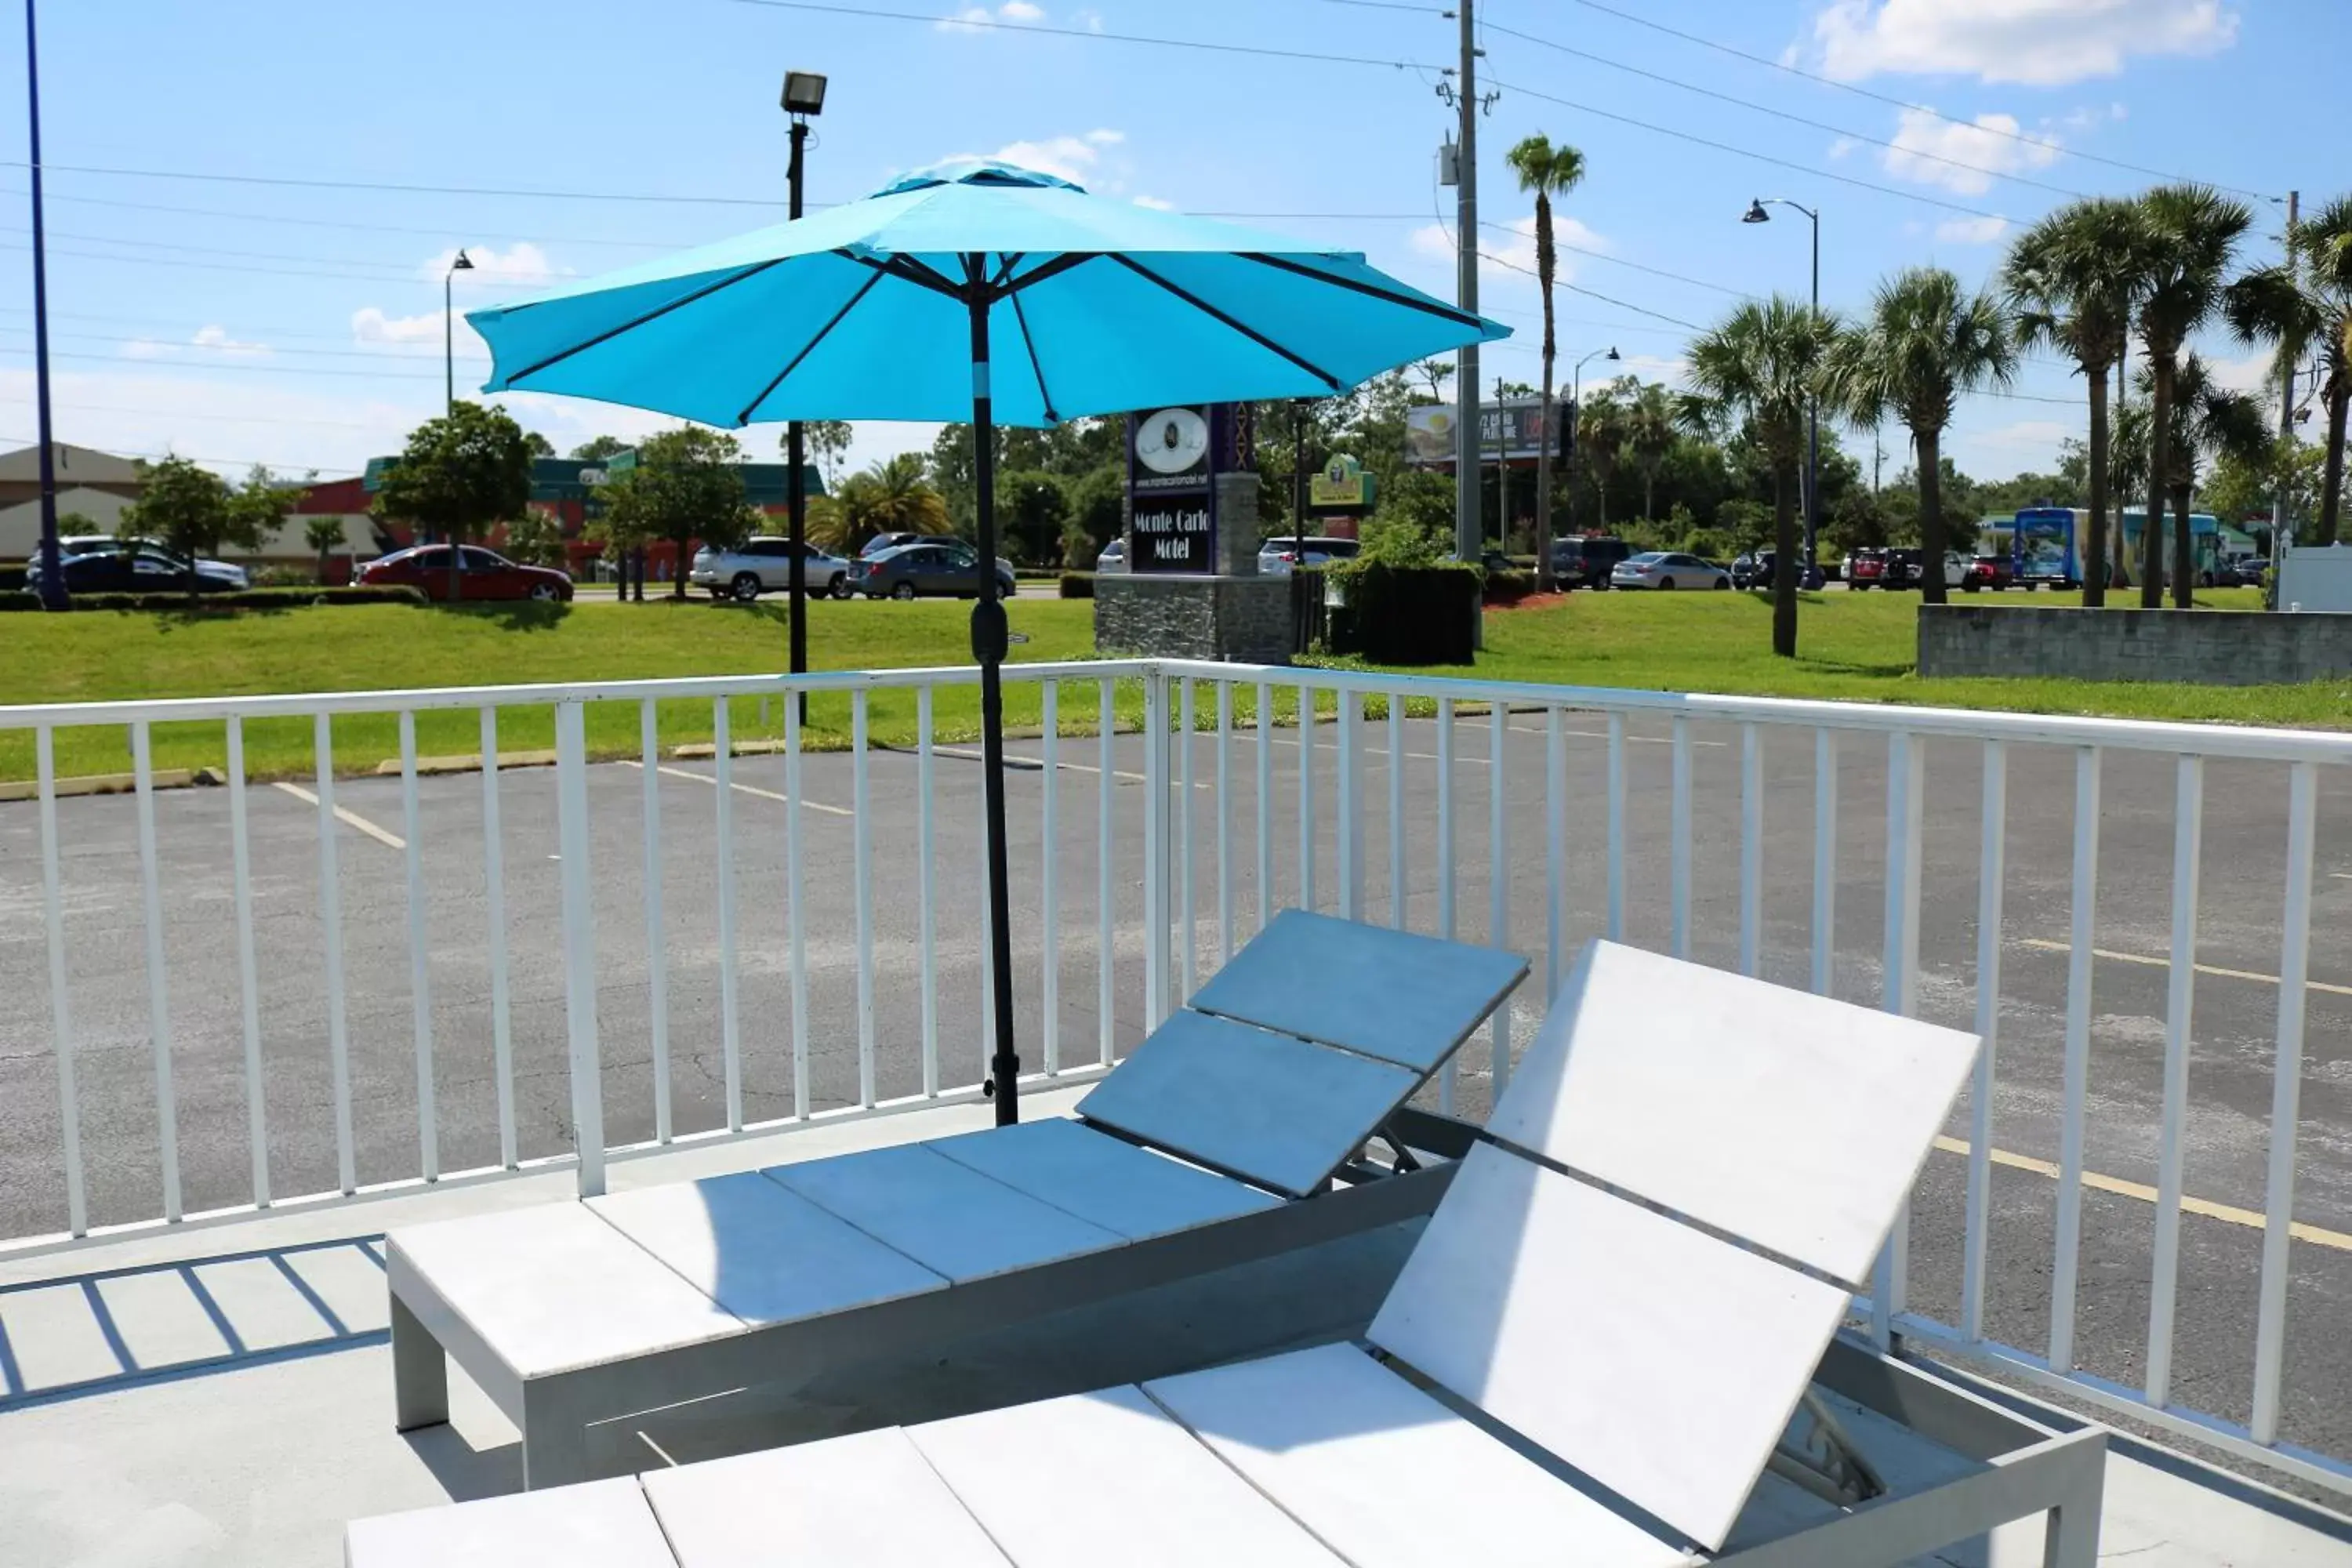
{"x": 222, "y": 1396}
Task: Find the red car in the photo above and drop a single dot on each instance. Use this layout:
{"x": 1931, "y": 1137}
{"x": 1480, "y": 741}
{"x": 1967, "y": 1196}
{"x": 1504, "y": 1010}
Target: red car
{"x": 1865, "y": 569}
{"x": 482, "y": 575}
{"x": 1994, "y": 571}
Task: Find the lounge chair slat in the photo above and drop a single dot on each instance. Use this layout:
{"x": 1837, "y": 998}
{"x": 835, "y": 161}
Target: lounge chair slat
{"x": 1389, "y": 1478}
{"x": 601, "y": 1524}
{"x": 1797, "y": 1122}
{"x": 765, "y": 1254}
{"x": 1403, "y": 998}
{"x": 1656, "y": 1359}
{"x": 870, "y": 1498}
{"x": 1268, "y": 1107}
{"x": 1103, "y": 1179}
{"x": 1106, "y": 1477}
{"x": 947, "y": 1217}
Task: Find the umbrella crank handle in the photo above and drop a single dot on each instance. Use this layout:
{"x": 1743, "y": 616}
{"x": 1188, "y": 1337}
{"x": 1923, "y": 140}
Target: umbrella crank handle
{"x": 990, "y": 638}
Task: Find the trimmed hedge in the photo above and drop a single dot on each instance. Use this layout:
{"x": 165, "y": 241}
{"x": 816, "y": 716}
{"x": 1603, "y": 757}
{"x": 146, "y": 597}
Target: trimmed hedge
{"x": 244, "y": 599}
{"x": 1509, "y": 587}
{"x": 1406, "y": 614}
{"x": 1077, "y": 584}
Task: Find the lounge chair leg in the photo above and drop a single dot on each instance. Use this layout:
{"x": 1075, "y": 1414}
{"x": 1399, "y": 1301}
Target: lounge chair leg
{"x": 2072, "y": 1540}
{"x": 554, "y": 1441}
{"x": 420, "y": 1373}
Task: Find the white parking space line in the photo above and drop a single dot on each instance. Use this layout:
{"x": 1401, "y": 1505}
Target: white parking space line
{"x": 2153, "y": 961}
{"x": 347, "y": 815}
{"x": 747, "y": 789}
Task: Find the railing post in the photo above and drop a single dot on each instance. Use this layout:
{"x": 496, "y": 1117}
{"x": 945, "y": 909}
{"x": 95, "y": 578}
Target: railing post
{"x": 1905, "y": 794}
{"x": 1352, "y": 807}
{"x": 1155, "y": 848}
{"x": 2067, "y": 1265}
{"x": 1991, "y": 867}
{"x": 579, "y": 944}
{"x": 2286, "y": 1090}
{"x": 1825, "y": 793}
{"x": 2188, "y": 823}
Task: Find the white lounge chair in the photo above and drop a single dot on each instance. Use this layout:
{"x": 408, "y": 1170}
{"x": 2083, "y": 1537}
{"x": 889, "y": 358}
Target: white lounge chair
{"x": 1609, "y": 1324}
{"x": 1235, "y": 1132}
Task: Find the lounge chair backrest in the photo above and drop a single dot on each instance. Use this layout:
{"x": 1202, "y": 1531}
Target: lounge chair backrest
{"x": 1791, "y": 1120}
{"x": 1660, "y": 1359}
{"x": 1407, "y": 999}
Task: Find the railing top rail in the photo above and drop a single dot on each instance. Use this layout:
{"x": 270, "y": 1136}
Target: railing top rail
{"x": 162, "y": 710}
{"x": 2140, "y": 734}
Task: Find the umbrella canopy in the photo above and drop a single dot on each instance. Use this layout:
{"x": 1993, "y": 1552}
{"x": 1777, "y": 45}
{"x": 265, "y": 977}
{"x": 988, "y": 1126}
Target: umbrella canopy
{"x": 980, "y": 292}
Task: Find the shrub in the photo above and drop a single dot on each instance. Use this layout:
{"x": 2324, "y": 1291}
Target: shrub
{"x": 245, "y": 599}
{"x": 1077, "y": 584}
{"x": 1406, "y": 614}
{"x": 1509, "y": 587}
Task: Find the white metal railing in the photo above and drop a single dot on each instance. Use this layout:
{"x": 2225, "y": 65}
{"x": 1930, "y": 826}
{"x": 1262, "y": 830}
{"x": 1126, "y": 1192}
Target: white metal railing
{"x": 1201, "y": 889}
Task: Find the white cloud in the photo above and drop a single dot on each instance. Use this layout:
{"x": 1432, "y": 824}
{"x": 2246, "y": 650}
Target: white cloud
{"x": 1513, "y": 258}
{"x": 1077, "y": 159}
{"x": 370, "y": 325}
{"x": 976, "y": 18}
{"x": 1991, "y": 146}
{"x": 2045, "y": 43}
{"x": 213, "y": 337}
{"x": 1971, "y": 230}
{"x": 1106, "y": 138}
{"x": 1155, "y": 204}
{"x": 1088, "y": 18}
{"x": 520, "y": 263}
{"x": 2253, "y": 373}
{"x": 1841, "y": 146}
{"x": 1021, "y": 11}
{"x": 1655, "y": 367}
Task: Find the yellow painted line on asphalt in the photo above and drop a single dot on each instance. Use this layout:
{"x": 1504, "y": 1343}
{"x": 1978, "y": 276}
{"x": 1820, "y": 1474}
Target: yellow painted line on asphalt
{"x": 2230, "y": 1214}
{"x": 747, "y": 789}
{"x": 2152, "y": 961}
{"x": 348, "y": 815}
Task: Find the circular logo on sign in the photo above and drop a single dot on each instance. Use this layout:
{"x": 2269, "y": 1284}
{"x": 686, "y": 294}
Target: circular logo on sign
{"x": 1172, "y": 441}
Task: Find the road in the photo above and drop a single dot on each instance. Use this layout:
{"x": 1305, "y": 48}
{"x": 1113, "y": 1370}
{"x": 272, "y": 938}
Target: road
{"x": 2235, "y": 1001}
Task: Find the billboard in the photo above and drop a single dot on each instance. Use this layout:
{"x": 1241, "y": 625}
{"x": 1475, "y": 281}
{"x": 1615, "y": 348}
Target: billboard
{"x": 1173, "y": 458}
{"x": 1517, "y": 426}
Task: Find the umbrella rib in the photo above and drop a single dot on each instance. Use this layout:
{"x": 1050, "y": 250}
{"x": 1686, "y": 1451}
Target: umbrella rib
{"x": 1035, "y": 369}
{"x": 908, "y": 269}
{"x": 1428, "y": 307}
{"x": 653, "y": 315}
{"x": 1208, "y": 309}
{"x": 1047, "y": 269}
{"x": 808, "y": 348}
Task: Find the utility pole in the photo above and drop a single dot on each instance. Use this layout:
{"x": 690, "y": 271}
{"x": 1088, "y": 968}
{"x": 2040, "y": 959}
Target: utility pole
{"x": 1469, "y": 526}
{"x": 2281, "y": 529}
{"x": 53, "y": 572}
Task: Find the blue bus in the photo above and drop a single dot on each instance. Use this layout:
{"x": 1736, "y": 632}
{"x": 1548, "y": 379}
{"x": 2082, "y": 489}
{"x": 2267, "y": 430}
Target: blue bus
{"x": 2046, "y": 545}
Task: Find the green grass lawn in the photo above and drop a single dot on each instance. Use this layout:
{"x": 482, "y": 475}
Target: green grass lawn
{"x": 1853, "y": 646}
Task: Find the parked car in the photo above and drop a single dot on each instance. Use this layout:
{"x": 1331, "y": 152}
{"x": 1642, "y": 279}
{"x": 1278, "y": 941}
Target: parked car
{"x": 483, "y": 576}
{"x": 1753, "y": 570}
{"x": 2244, "y": 571}
{"x": 1908, "y": 569}
{"x": 882, "y": 541}
{"x": 1274, "y": 557}
{"x": 1113, "y": 557}
{"x": 764, "y": 565}
{"x": 1586, "y": 561}
{"x": 1865, "y": 569}
{"x": 1994, "y": 571}
{"x": 1495, "y": 561}
{"x": 95, "y": 544}
{"x": 1667, "y": 569}
{"x": 115, "y": 571}
{"x": 911, "y": 570}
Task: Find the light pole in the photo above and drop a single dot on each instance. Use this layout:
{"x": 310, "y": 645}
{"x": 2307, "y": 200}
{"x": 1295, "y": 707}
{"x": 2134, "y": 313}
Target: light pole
{"x": 1576, "y": 430}
{"x": 464, "y": 263}
{"x": 1812, "y": 580}
{"x": 53, "y": 572}
{"x": 803, "y": 96}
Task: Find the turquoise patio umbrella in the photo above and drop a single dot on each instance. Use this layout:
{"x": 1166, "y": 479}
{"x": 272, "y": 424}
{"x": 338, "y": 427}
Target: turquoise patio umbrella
{"x": 979, "y": 291}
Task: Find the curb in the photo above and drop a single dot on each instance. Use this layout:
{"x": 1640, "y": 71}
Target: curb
{"x": 103, "y": 784}
{"x": 467, "y": 762}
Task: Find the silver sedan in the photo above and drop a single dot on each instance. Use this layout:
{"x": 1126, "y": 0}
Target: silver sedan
{"x": 1667, "y": 569}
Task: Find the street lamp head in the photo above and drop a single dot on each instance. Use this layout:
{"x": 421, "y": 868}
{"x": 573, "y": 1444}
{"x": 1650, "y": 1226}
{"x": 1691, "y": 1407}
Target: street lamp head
{"x": 1756, "y": 213}
{"x": 464, "y": 263}
{"x": 803, "y": 92}
{"x": 1612, "y": 353}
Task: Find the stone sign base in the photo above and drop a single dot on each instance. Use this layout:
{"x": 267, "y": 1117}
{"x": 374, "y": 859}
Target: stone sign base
{"x": 1242, "y": 620}
{"x": 2215, "y": 647}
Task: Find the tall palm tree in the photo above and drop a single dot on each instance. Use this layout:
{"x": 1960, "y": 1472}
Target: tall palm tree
{"x": 2194, "y": 232}
{"x": 2069, "y": 279}
{"x": 2208, "y": 421}
{"x": 1925, "y": 342}
{"x": 1763, "y": 364}
{"x": 2304, "y": 305}
{"x": 1650, "y": 439}
{"x": 1548, "y": 172}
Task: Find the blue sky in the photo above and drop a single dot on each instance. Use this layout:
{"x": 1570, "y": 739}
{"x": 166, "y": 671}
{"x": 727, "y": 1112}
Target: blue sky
{"x": 232, "y": 318}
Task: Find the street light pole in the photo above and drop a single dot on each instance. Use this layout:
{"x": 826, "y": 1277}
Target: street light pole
{"x": 53, "y": 572}
{"x": 803, "y": 96}
{"x": 1812, "y": 579}
{"x": 463, "y": 263}
{"x": 1575, "y": 429}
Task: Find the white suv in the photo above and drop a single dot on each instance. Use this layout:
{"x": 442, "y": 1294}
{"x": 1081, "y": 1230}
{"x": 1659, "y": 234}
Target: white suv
{"x": 764, "y": 565}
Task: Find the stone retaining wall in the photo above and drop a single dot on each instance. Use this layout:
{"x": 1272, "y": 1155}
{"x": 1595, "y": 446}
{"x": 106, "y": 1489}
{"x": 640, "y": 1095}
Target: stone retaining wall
{"x": 2214, "y": 647}
{"x": 1241, "y": 619}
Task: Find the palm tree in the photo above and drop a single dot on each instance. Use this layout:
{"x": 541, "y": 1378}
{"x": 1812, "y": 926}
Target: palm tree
{"x": 1547, "y": 171}
{"x": 1764, "y": 363}
{"x": 2069, "y": 279}
{"x": 890, "y": 496}
{"x": 322, "y": 534}
{"x": 1925, "y": 344}
{"x": 2305, "y": 310}
{"x": 1650, "y": 439}
{"x": 2194, "y": 232}
{"x": 1602, "y": 427}
{"x": 2208, "y": 421}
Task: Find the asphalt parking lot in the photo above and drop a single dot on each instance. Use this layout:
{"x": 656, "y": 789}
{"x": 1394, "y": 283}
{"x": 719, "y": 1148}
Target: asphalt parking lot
{"x": 2235, "y": 1002}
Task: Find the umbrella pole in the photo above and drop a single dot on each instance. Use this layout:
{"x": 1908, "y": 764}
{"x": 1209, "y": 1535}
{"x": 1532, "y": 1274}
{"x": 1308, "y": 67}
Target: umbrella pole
{"x": 990, "y": 642}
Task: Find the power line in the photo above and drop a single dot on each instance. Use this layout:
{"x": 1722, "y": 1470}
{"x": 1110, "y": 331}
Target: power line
{"x": 1819, "y": 80}
{"x": 188, "y": 414}
{"x": 1590, "y": 293}
{"x": 441, "y": 232}
{"x": 1043, "y": 29}
{"x": 401, "y": 188}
